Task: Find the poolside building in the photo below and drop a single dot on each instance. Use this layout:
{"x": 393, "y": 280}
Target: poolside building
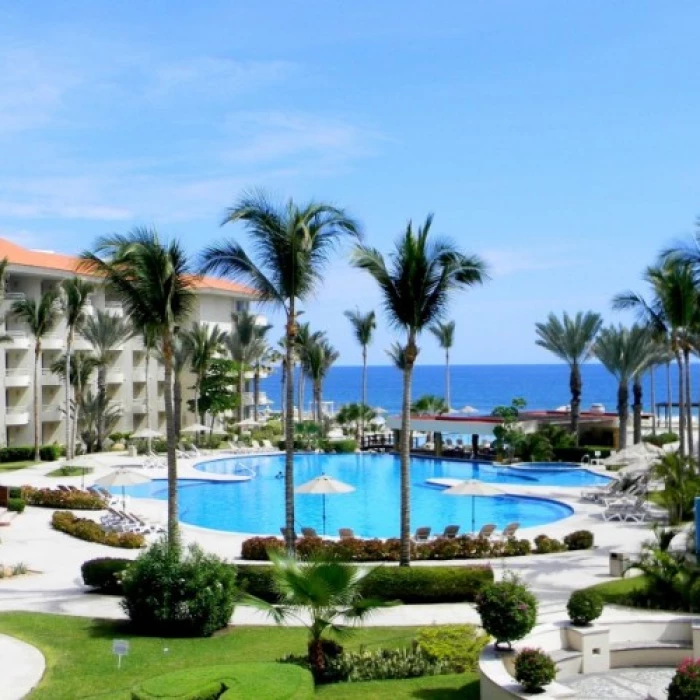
{"x": 30, "y": 273}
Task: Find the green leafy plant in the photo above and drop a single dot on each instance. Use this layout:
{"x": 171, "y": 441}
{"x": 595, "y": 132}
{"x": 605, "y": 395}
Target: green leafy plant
{"x": 339, "y": 446}
{"x": 90, "y": 531}
{"x": 584, "y": 607}
{"x": 534, "y": 670}
{"x": 170, "y": 593}
{"x": 459, "y": 646}
{"x": 53, "y": 498}
{"x": 661, "y": 439}
{"x": 548, "y": 545}
{"x": 508, "y": 609}
{"x": 685, "y": 684}
{"x": 681, "y": 484}
{"x": 105, "y": 574}
{"x": 15, "y": 505}
{"x": 579, "y": 539}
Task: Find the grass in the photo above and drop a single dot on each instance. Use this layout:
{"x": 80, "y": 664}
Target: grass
{"x": 79, "y": 662}
{"x": 14, "y": 466}
{"x": 70, "y": 471}
{"x": 618, "y": 592}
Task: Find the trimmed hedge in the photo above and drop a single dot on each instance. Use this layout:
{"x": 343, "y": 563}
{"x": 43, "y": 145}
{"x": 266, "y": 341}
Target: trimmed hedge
{"x": 347, "y": 446}
{"x": 104, "y": 574}
{"x": 53, "y": 498}
{"x": 439, "y": 549}
{"x": 661, "y": 439}
{"x": 15, "y": 505}
{"x": 47, "y": 453}
{"x": 90, "y": 531}
{"x": 265, "y": 681}
{"x": 410, "y": 585}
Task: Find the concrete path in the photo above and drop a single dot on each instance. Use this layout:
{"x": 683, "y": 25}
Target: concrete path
{"x": 21, "y": 668}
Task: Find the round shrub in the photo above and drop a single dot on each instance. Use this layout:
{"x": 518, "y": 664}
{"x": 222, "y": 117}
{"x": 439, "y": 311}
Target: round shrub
{"x": 548, "y": 545}
{"x": 584, "y": 607}
{"x": 105, "y": 574}
{"x": 579, "y": 539}
{"x": 534, "y": 670}
{"x": 456, "y": 645}
{"x": 170, "y": 593}
{"x": 15, "y": 505}
{"x": 685, "y": 684}
{"x": 508, "y": 609}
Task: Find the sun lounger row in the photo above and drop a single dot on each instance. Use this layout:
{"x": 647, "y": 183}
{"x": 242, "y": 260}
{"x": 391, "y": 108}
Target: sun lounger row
{"x": 255, "y": 446}
{"x": 122, "y": 521}
{"x": 637, "y": 510}
{"x": 422, "y": 534}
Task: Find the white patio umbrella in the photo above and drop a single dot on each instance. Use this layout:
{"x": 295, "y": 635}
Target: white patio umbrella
{"x": 146, "y": 433}
{"x": 380, "y": 410}
{"x": 473, "y": 488}
{"x": 247, "y": 423}
{"x": 322, "y": 485}
{"x": 468, "y": 410}
{"x": 122, "y": 477}
{"x": 196, "y": 428}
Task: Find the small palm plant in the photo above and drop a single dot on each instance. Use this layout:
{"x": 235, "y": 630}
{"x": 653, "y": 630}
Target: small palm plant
{"x": 444, "y": 333}
{"x": 323, "y": 594}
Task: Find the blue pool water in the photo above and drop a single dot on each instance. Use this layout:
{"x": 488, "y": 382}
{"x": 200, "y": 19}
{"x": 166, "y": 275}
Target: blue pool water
{"x": 372, "y": 510}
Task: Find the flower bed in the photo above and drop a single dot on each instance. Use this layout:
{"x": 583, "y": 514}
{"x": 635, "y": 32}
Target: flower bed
{"x": 463, "y": 547}
{"x": 53, "y": 498}
{"x": 90, "y": 531}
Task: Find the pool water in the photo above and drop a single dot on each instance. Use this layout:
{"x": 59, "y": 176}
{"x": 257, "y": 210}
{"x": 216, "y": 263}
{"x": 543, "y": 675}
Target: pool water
{"x": 372, "y": 510}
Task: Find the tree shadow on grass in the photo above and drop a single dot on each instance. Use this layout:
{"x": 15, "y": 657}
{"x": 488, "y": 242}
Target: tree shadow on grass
{"x": 469, "y": 691}
{"x": 109, "y": 629}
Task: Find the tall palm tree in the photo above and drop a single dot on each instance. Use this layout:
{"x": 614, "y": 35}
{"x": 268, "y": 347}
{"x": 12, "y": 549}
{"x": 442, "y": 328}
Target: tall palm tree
{"x": 181, "y": 359}
{"x": 293, "y": 244}
{"x": 204, "y": 342}
{"x": 105, "y": 333}
{"x": 74, "y": 300}
{"x": 445, "y": 335}
{"x": 317, "y": 358}
{"x": 429, "y": 405}
{"x": 571, "y": 340}
{"x": 305, "y": 338}
{"x": 363, "y": 325}
{"x": 151, "y": 277}
{"x": 267, "y": 357}
{"x": 625, "y": 353}
{"x": 672, "y": 312}
{"x": 41, "y": 317}
{"x": 416, "y": 286}
{"x": 149, "y": 337}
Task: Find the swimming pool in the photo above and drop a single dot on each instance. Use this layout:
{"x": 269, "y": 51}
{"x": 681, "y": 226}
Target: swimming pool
{"x": 372, "y": 510}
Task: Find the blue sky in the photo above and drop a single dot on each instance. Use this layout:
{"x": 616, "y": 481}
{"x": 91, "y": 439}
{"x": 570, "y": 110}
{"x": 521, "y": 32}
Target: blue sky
{"x": 559, "y": 141}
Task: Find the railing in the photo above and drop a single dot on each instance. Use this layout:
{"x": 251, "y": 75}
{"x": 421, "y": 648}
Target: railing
{"x": 17, "y": 372}
{"x": 15, "y": 296}
{"x": 16, "y": 410}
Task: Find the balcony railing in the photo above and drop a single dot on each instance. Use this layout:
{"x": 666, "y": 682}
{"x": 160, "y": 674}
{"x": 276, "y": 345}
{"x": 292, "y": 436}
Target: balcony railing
{"x": 114, "y": 308}
{"x": 49, "y": 378}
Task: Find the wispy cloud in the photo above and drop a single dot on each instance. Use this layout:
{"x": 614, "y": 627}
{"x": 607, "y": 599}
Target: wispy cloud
{"x": 503, "y": 262}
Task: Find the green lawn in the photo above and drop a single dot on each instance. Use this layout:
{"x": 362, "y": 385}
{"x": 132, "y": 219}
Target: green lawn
{"x": 615, "y": 592}
{"x": 80, "y": 663}
{"x": 14, "y": 466}
{"x": 70, "y": 471}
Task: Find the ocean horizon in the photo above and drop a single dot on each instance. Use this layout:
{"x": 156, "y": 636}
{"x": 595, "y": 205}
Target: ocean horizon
{"x": 483, "y": 387}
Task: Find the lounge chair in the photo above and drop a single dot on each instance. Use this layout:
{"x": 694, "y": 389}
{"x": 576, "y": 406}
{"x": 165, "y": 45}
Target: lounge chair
{"x": 308, "y": 532}
{"x": 485, "y": 532}
{"x": 509, "y": 531}
{"x": 346, "y": 533}
{"x": 450, "y": 532}
{"x": 63, "y": 488}
{"x": 638, "y": 511}
{"x": 611, "y": 489}
{"x": 422, "y": 534}
{"x": 267, "y": 445}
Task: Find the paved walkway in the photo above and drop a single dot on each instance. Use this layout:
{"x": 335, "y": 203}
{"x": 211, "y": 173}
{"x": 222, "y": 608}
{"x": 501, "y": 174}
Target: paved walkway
{"x": 21, "y": 668}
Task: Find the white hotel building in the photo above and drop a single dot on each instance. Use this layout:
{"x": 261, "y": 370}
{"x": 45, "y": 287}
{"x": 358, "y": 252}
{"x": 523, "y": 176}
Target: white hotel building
{"x": 31, "y": 272}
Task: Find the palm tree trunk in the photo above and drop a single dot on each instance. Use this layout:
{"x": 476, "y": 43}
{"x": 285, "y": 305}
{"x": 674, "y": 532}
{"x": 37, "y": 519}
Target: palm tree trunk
{"x": 198, "y": 414}
{"x": 652, "y": 393}
{"x": 177, "y": 403}
{"x": 289, "y": 433}
{"x": 283, "y": 396}
{"x": 149, "y": 444}
{"x": 637, "y": 409}
{"x": 256, "y": 391}
{"x": 364, "y": 391}
{"x": 681, "y": 405}
{"x": 241, "y": 406}
{"x": 575, "y": 385}
{"x": 69, "y": 347}
{"x": 447, "y": 379}
{"x": 171, "y": 439}
{"x": 102, "y": 394}
{"x": 688, "y": 402}
{"x": 405, "y": 453}
{"x": 669, "y": 398}
{"x": 300, "y": 392}
{"x": 623, "y": 411}
{"x": 317, "y": 401}
{"x": 37, "y": 413}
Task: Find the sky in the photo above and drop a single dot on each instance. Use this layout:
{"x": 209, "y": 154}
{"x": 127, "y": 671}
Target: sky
{"x": 559, "y": 141}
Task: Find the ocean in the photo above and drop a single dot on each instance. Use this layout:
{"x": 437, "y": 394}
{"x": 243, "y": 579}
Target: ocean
{"x": 479, "y": 386}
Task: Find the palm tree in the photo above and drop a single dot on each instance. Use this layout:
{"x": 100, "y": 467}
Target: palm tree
{"x": 204, "y": 342}
{"x": 244, "y": 346}
{"x": 317, "y": 593}
{"x": 363, "y": 325}
{"x": 416, "y": 287}
{"x": 571, "y": 340}
{"x": 181, "y": 358}
{"x": 149, "y": 337}
{"x": 105, "y": 333}
{"x": 672, "y": 313}
{"x": 625, "y": 353}
{"x": 41, "y": 317}
{"x": 74, "y": 300}
{"x": 305, "y": 338}
{"x": 266, "y": 358}
{"x": 428, "y": 404}
{"x": 355, "y": 414}
{"x": 317, "y": 358}
{"x": 445, "y": 335}
{"x": 153, "y": 282}
{"x": 96, "y": 409}
{"x": 293, "y": 245}
{"x": 681, "y": 484}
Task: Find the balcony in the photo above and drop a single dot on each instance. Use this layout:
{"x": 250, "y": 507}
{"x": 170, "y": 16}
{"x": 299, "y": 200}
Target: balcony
{"x": 138, "y": 406}
{"x": 138, "y": 375}
{"x": 11, "y": 297}
{"x": 49, "y": 378}
{"x": 79, "y": 343}
{"x": 115, "y": 376}
{"x": 160, "y": 373}
{"x": 117, "y": 406}
{"x": 17, "y": 340}
{"x": 114, "y": 308}
{"x": 19, "y": 377}
{"x": 51, "y": 413}
{"x": 55, "y": 341}
{"x": 17, "y": 415}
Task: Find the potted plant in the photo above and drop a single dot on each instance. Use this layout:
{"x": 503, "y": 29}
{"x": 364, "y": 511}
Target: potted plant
{"x": 584, "y": 607}
{"x": 534, "y": 670}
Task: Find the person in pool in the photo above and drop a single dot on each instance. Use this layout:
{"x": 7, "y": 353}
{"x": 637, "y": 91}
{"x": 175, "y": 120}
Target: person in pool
{"x": 279, "y": 475}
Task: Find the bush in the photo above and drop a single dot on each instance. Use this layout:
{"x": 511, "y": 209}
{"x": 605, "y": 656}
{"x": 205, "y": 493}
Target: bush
{"x": 508, "y": 609}
{"x": 457, "y": 645}
{"x": 661, "y": 439}
{"x": 685, "y": 684}
{"x": 53, "y": 498}
{"x": 268, "y": 681}
{"x": 548, "y": 545}
{"x": 184, "y": 595}
{"x": 90, "y": 531}
{"x": 579, "y": 539}
{"x": 534, "y": 670}
{"x": 47, "y": 453}
{"x": 14, "y": 492}
{"x": 257, "y": 581}
{"x": 105, "y": 574}
{"x": 339, "y": 446}
{"x": 584, "y": 607}
{"x": 16, "y": 505}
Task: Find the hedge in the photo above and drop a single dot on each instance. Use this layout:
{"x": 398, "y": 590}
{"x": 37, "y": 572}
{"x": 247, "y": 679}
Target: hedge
{"x": 53, "y": 498}
{"x": 441, "y": 548}
{"x": 47, "y": 453}
{"x": 418, "y": 584}
{"x": 265, "y": 681}
{"x": 661, "y": 439}
{"x": 576, "y": 454}
{"x": 104, "y": 574}
{"x": 15, "y": 505}
{"x": 347, "y": 446}
{"x": 90, "y": 531}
